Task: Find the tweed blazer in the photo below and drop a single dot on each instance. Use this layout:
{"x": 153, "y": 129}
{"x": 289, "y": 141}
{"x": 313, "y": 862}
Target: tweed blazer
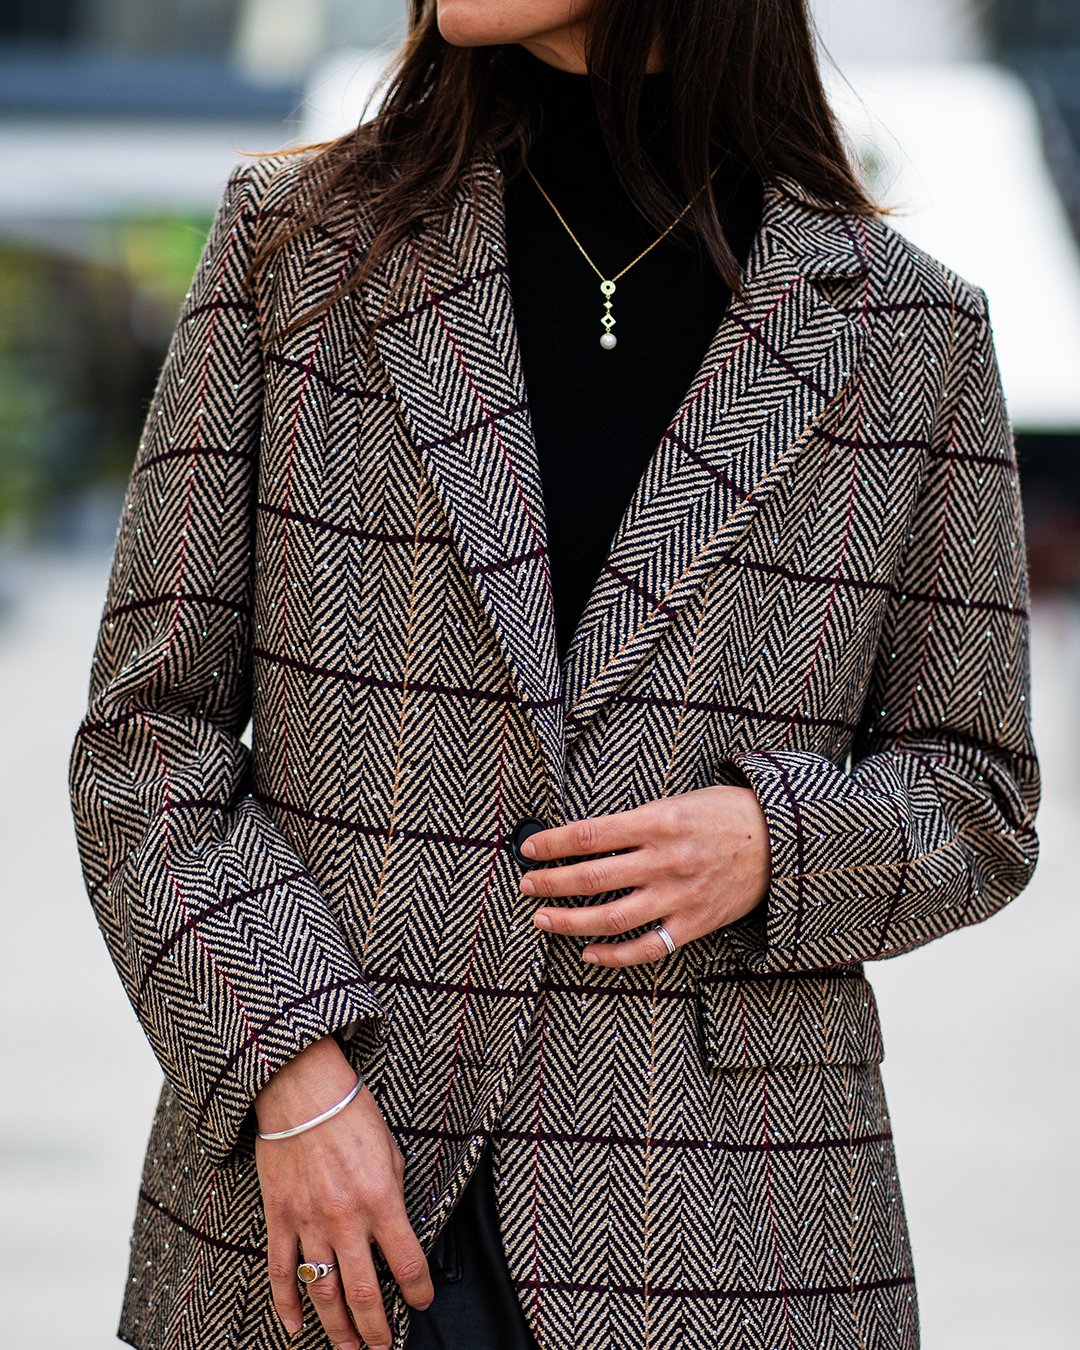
{"x": 818, "y": 589}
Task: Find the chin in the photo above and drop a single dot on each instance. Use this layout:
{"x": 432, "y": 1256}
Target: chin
{"x": 474, "y": 23}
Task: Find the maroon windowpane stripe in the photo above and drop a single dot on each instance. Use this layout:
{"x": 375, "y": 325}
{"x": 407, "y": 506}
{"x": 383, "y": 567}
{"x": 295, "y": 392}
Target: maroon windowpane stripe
{"x": 191, "y": 451}
{"x": 240, "y": 306}
{"x": 798, "y": 830}
{"x": 190, "y": 922}
{"x": 766, "y": 977}
{"x": 864, "y": 584}
{"x": 716, "y": 1295}
{"x": 484, "y": 424}
{"x": 435, "y": 298}
{"x": 682, "y": 994}
{"x": 454, "y": 987}
{"x": 177, "y": 598}
{"x": 489, "y": 991}
{"x": 755, "y": 333}
{"x": 347, "y": 531}
{"x": 348, "y": 390}
{"x": 913, "y": 307}
{"x": 713, "y": 470}
{"x": 736, "y": 709}
{"x": 397, "y": 686}
{"x": 858, "y": 244}
{"x": 964, "y": 457}
{"x": 856, "y": 443}
{"x": 485, "y": 569}
{"x": 613, "y": 1140}
{"x": 221, "y": 1244}
{"x": 380, "y": 831}
{"x": 638, "y": 589}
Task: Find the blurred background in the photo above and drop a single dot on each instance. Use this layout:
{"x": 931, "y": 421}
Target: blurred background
{"x": 119, "y": 121}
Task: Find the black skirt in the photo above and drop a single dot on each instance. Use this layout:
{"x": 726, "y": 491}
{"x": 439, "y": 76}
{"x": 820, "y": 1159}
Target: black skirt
{"x": 475, "y": 1307}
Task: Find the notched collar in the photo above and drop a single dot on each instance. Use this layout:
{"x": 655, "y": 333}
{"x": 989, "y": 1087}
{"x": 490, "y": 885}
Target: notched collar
{"x": 443, "y": 323}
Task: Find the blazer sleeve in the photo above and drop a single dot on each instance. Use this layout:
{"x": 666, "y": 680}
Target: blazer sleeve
{"x": 228, "y": 952}
{"x": 932, "y": 827}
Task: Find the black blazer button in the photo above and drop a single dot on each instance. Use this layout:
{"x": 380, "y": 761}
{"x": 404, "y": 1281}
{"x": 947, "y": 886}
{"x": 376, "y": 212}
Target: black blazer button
{"x": 522, "y": 831}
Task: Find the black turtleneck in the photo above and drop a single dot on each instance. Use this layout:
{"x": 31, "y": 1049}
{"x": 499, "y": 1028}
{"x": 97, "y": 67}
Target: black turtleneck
{"x": 598, "y": 415}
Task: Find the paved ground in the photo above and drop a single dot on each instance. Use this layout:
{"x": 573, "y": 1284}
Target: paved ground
{"x": 982, "y": 1071}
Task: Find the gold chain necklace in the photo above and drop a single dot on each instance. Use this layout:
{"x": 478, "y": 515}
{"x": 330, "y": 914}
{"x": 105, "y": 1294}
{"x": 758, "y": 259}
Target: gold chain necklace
{"x": 607, "y": 286}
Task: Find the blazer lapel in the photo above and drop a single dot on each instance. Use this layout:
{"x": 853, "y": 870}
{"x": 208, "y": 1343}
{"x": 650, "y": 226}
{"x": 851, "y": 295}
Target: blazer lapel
{"x": 775, "y": 366}
{"x": 443, "y": 325}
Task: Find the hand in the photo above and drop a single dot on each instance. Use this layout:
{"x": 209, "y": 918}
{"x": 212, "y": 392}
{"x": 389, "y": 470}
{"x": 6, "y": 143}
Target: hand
{"x": 333, "y": 1191}
{"x": 694, "y": 863}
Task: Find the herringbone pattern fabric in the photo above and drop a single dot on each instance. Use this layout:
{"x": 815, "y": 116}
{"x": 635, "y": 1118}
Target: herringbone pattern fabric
{"x": 819, "y": 587}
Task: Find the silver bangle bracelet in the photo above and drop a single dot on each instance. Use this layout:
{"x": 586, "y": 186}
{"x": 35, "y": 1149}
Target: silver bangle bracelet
{"x": 310, "y": 1124}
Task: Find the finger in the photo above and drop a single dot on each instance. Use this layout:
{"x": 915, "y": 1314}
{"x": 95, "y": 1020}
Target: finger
{"x": 593, "y": 877}
{"x": 282, "y": 1261}
{"x": 406, "y": 1260}
{"x": 364, "y": 1297}
{"x": 601, "y": 834}
{"x": 640, "y": 951}
{"x": 329, "y": 1303}
{"x": 618, "y": 916}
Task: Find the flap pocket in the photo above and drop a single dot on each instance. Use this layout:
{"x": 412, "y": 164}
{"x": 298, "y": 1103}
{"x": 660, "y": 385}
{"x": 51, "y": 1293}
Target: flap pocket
{"x": 813, "y": 1017}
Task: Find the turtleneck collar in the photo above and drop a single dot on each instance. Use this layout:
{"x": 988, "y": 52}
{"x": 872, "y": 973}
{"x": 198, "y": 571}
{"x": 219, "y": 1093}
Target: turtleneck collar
{"x": 569, "y": 149}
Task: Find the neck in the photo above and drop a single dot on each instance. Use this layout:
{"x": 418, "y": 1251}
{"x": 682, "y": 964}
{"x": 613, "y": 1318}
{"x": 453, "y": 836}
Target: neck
{"x": 569, "y": 149}
{"x": 564, "y": 48}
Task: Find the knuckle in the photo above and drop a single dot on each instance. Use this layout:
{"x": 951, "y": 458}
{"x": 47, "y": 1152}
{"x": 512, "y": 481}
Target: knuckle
{"x": 585, "y": 837}
{"x": 338, "y": 1206}
{"x": 700, "y": 889}
{"x": 686, "y": 860}
{"x": 616, "y": 919}
{"x": 592, "y": 878}
{"x": 279, "y": 1272}
{"x": 363, "y": 1294}
{"x": 412, "y": 1269}
{"x": 274, "y": 1201}
{"x": 670, "y": 817}
{"x": 322, "y": 1292}
{"x": 380, "y": 1194}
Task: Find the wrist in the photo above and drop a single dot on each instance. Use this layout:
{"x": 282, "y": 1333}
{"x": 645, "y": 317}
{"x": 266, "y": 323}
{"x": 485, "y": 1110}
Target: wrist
{"x": 309, "y": 1084}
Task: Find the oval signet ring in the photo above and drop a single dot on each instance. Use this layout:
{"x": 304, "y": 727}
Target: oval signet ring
{"x": 311, "y": 1271}
{"x": 665, "y": 938}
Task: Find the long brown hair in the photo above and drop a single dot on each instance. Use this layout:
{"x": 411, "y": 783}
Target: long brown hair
{"x": 745, "y": 84}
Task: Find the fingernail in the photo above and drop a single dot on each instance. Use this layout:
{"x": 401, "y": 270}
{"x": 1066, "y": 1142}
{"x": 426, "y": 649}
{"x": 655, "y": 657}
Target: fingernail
{"x": 528, "y": 848}
{"x": 592, "y": 958}
{"x": 290, "y": 1326}
{"x": 527, "y": 886}
{"x": 542, "y": 921}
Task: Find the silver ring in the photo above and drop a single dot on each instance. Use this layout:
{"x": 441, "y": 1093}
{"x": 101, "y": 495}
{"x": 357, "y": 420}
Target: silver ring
{"x": 310, "y": 1271}
{"x": 665, "y": 937}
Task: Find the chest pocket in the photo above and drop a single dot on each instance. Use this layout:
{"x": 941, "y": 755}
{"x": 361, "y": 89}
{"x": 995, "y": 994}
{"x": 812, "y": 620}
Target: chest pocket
{"x": 752, "y": 1021}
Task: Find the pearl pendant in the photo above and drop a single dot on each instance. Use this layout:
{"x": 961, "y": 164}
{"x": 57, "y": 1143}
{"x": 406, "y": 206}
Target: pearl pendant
{"x": 608, "y": 341}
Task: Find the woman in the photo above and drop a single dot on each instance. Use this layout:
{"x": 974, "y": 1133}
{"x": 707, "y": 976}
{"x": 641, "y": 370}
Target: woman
{"x": 722, "y": 623}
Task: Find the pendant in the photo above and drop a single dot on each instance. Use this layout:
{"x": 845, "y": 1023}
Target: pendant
{"x": 608, "y": 340}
